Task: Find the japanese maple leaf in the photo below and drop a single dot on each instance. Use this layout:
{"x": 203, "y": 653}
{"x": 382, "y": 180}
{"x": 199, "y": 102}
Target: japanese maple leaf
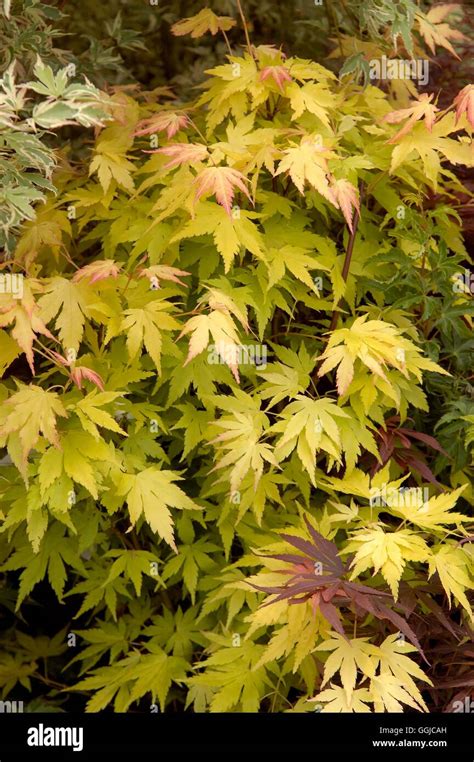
{"x": 163, "y": 272}
{"x": 420, "y": 109}
{"x": 79, "y": 373}
{"x": 224, "y": 333}
{"x": 182, "y": 153}
{"x": 397, "y": 442}
{"x": 166, "y": 121}
{"x": 307, "y": 162}
{"x": 464, "y": 102}
{"x": 204, "y": 21}
{"x": 100, "y": 270}
{"x": 434, "y": 33}
{"x": 221, "y": 182}
{"x": 24, "y": 314}
{"x": 318, "y": 575}
{"x": 279, "y": 74}
{"x": 29, "y": 412}
{"x": 346, "y": 196}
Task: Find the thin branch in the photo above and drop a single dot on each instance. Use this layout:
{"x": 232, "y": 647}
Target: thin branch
{"x": 227, "y": 42}
{"x": 244, "y": 22}
{"x": 347, "y": 263}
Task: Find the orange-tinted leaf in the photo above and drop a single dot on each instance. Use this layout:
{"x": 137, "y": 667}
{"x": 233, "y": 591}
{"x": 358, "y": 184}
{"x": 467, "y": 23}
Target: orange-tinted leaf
{"x": 182, "y": 153}
{"x": 420, "y": 109}
{"x": 165, "y": 121}
{"x": 464, "y": 102}
{"x": 347, "y": 198}
{"x": 27, "y": 323}
{"x": 100, "y": 270}
{"x": 434, "y": 33}
{"x": 221, "y": 182}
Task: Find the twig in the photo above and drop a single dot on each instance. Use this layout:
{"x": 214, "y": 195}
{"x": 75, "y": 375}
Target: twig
{"x": 244, "y": 22}
{"x": 227, "y": 43}
{"x": 347, "y": 263}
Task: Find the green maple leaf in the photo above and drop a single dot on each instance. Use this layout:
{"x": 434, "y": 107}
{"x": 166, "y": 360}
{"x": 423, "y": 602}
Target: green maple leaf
{"x": 151, "y": 493}
{"x": 55, "y": 552}
{"x": 143, "y": 326}
{"x": 133, "y": 677}
{"x": 29, "y": 412}
{"x": 70, "y": 302}
{"x": 229, "y": 234}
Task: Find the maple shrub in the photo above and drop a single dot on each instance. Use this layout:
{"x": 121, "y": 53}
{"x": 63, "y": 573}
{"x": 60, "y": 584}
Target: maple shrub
{"x": 220, "y": 471}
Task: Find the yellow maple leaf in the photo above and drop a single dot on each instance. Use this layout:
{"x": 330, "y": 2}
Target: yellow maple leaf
{"x": 434, "y": 513}
{"x": 395, "y": 664}
{"x": 29, "y": 412}
{"x": 155, "y": 273}
{"x": 335, "y": 700}
{"x": 388, "y": 694}
{"x": 453, "y": 566}
{"x": 310, "y": 426}
{"x": 420, "y": 109}
{"x": 387, "y": 552}
{"x": 24, "y": 313}
{"x": 434, "y": 32}
{"x": 69, "y": 301}
{"x": 143, "y": 326}
{"x": 204, "y": 21}
{"x": 242, "y": 447}
{"x": 307, "y": 163}
{"x": 376, "y": 344}
{"x": 347, "y": 657}
{"x": 152, "y": 493}
{"x": 312, "y": 97}
{"x": 224, "y": 334}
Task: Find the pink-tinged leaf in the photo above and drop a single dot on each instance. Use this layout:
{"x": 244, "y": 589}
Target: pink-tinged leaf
{"x": 27, "y": 323}
{"x": 347, "y": 197}
{"x": 166, "y": 121}
{"x": 420, "y": 109}
{"x": 279, "y": 74}
{"x": 464, "y": 102}
{"x": 60, "y": 358}
{"x": 221, "y": 182}
{"x": 95, "y": 271}
{"x": 155, "y": 273}
{"x": 182, "y": 153}
{"x": 79, "y": 374}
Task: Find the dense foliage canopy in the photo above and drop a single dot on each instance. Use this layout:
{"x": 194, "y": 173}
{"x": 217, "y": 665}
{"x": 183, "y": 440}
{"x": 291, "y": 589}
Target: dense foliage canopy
{"x": 237, "y": 414}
